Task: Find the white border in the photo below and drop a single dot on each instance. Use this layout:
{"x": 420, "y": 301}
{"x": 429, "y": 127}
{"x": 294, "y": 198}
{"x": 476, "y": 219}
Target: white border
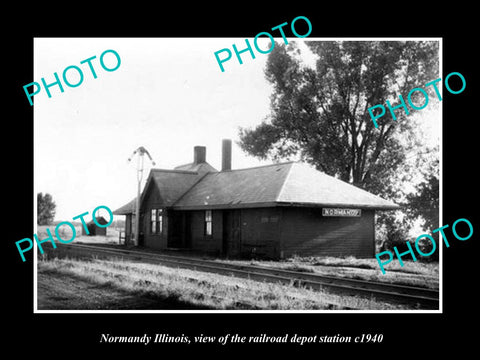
{"x": 241, "y": 312}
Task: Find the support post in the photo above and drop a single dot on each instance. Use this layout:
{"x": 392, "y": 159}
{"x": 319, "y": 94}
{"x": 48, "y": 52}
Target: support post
{"x": 141, "y": 152}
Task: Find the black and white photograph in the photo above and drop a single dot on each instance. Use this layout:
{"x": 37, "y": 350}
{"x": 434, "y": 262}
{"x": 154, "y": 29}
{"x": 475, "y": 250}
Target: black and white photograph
{"x": 267, "y": 186}
{"x": 299, "y": 181}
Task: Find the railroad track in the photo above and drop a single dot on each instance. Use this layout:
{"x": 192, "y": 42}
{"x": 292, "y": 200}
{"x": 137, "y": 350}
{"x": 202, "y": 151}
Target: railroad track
{"x": 414, "y": 296}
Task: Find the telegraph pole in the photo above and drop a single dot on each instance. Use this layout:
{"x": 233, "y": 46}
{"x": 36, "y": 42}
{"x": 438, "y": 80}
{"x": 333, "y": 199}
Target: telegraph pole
{"x": 141, "y": 151}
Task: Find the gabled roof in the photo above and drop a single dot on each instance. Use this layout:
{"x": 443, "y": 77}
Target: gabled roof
{"x": 128, "y": 208}
{"x": 287, "y": 184}
{"x": 200, "y": 168}
{"x": 171, "y": 184}
{"x": 234, "y": 188}
{"x": 100, "y": 220}
{"x": 305, "y": 185}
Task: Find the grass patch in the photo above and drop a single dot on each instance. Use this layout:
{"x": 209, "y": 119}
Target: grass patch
{"x": 427, "y": 269}
{"x": 66, "y": 233}
{"x": 202, "y": 290}
{"x": 412, "y": 273}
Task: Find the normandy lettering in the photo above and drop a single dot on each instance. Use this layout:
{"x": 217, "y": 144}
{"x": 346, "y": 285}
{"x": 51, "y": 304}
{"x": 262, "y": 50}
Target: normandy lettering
{"x": 107, "y": 338}
{"x": 341, "y": 212}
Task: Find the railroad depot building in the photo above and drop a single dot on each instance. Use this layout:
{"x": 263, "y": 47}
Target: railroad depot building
{"x": 273, "y": 211}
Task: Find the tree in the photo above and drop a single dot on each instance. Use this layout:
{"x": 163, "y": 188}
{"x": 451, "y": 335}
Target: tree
{"x": 45, "y": 209}
{"x": 423, "y": 204}
{"x": 321, "y": 115}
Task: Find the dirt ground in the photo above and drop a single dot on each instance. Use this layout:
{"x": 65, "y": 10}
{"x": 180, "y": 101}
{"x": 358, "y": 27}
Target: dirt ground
{"x": 60, "y": 292}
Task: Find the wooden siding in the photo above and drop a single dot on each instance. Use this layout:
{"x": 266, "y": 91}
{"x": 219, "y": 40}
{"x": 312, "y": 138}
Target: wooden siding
{"x": 232, "y": 240}
{"x": 128, "y": 228}
{"x": 260, "y": 232}
{"x": 305, "y": 232}
{"x": 93, "y": 229}
{"x": 153, "y": 200}
{"x": 246, "y": 232}
{"x": 176, "y": 235}
{"x": 199, "y": 241}
{"x": 264, "y": 232}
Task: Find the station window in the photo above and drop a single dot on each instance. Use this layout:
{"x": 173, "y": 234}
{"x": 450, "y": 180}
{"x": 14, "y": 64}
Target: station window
{"x": 156, "y": 221}
{"x": 208, "y": 223}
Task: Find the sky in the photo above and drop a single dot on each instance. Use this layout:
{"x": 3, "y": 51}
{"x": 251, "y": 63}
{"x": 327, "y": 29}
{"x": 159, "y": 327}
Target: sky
{"x": 168, "y": 95}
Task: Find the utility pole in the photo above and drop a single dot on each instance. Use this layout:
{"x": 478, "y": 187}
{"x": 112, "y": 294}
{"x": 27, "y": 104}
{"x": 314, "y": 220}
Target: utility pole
{"x": 141, "y": 151}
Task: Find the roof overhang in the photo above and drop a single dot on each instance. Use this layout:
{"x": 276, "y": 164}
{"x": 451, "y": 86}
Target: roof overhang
{"x": 283, "y": 204}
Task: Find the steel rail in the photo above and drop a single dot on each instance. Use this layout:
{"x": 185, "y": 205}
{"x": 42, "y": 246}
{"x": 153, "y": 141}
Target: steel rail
{"x": 421, "y": 297}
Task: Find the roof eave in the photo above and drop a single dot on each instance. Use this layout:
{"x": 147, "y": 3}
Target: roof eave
{"x": 341, "y": 205}
{"x": 224, "y": 206}
{"x": 282, "y": 204}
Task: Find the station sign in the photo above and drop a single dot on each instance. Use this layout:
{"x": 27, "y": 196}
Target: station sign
{"x": 341, "y": 212}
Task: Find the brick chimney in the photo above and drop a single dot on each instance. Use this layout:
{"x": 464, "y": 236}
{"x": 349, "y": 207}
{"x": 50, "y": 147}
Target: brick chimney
{"x": 226, "y": 154}
{"x": 199, "y": 154}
